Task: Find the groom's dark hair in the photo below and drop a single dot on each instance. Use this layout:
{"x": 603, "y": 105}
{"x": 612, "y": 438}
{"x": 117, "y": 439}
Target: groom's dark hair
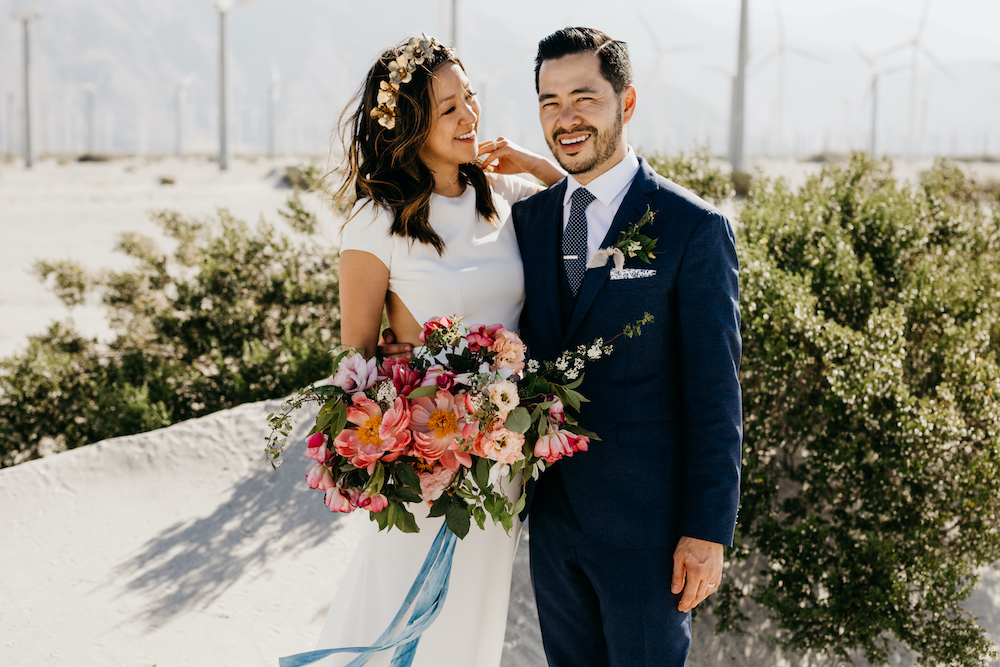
{"x": 616, "y": 66}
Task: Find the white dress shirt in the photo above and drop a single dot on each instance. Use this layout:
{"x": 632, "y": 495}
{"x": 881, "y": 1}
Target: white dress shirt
{"x": 609, "y": 191}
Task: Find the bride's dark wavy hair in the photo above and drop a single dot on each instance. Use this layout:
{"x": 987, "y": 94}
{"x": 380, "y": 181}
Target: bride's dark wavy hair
{"x": 384, "y": 164}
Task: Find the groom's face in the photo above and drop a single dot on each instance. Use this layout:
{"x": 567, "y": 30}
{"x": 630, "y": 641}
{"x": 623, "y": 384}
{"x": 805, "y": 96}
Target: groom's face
{"x": 582, "y": 116}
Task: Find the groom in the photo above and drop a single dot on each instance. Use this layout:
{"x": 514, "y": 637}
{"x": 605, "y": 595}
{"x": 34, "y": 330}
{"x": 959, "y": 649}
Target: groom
{"x": 628, "y": 537}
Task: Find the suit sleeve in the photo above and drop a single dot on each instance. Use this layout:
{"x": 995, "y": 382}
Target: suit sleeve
{"x": 709, "y": 317}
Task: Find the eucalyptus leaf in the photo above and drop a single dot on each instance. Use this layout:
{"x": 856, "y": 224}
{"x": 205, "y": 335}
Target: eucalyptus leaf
{"x": 518, "y": 421}
{"x": 422, "y": 392}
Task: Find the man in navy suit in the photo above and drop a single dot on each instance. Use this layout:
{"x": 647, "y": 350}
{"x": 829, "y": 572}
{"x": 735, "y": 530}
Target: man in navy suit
{"x": 628, "y": 537}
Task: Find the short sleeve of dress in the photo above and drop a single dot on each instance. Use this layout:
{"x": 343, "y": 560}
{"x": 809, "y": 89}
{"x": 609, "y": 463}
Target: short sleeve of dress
{"x": 513, "y": 189}
{"x": 367, "y": 229}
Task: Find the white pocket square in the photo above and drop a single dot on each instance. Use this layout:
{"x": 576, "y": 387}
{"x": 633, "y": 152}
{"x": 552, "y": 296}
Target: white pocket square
{"x": 631, "y": 274}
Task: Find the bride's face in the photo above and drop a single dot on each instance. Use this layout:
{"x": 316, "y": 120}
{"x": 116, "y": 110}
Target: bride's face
{"x": 455, "y": 117}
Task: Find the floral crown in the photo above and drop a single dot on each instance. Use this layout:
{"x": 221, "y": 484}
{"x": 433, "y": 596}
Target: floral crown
{"x": 401, "y": 70}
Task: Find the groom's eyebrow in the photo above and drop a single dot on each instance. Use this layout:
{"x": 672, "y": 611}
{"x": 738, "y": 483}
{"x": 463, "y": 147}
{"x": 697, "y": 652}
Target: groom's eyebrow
{"x": 578, "y": 91}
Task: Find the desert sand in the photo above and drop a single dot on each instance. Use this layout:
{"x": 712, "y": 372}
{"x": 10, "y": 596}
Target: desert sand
{"x": 182, "y": 546}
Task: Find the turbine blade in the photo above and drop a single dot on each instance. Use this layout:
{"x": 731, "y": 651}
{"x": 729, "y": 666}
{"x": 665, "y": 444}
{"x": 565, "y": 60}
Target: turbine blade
{"x": 807, "y": 54}
{"x": 934, "y": 59}
{"x": 923, "y": 18}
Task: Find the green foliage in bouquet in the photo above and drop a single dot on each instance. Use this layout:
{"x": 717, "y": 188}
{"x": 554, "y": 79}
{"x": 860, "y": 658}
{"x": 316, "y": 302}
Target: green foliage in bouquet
{"x": 233, "y": 314}
{"x": 694, "y": 172}
{"x": 871, "y": 330}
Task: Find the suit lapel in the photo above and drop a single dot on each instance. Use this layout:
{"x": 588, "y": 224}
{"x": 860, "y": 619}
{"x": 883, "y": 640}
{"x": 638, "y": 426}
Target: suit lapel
{"x": 550, "y": 256}
{"x": 633, "y": 207}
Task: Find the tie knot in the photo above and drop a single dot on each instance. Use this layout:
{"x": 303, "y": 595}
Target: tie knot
{"x": 581, "y": 198}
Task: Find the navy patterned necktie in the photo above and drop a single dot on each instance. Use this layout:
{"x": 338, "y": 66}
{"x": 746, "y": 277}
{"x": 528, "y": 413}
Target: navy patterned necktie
{"x": 574, "y": 243}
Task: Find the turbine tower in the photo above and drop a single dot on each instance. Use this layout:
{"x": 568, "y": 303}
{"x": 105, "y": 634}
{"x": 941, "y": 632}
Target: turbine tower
{"x": 876, "y": 73}
{"x": 736, "y": 117}
{"x": 25, "y": 18}
{"x": 781, "y": 54}
{"x": 273, "y": 95}
{"x": 180, "y": 102}
{"x": 916, "y": 47}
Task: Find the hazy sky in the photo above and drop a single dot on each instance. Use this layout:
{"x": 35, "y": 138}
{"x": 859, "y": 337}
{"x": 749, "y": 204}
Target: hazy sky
{"x": 135, "y": 51}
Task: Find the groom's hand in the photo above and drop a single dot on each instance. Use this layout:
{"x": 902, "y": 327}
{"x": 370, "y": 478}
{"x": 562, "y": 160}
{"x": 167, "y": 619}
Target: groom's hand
{"x": 388, "y": 347}
{"x": 697, "y": 571}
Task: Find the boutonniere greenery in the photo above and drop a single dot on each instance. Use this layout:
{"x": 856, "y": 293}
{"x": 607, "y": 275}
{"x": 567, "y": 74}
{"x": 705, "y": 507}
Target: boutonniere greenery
{"x": 630, "y": 244}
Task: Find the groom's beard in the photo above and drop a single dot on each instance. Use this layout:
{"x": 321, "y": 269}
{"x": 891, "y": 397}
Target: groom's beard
{"x": 605, "y": 145}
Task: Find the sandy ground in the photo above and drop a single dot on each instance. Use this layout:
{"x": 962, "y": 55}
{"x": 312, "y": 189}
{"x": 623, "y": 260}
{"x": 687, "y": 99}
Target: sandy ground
{"x": 182, "y": 546}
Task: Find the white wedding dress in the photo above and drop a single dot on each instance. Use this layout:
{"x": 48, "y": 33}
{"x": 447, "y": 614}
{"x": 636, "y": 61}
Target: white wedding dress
{"x": 479, "y": 276}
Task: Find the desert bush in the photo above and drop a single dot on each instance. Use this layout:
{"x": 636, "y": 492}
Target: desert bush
{"x": 693, "y": 171}
{"x": 871, "y": 495}
{"x": 233, "y": 314}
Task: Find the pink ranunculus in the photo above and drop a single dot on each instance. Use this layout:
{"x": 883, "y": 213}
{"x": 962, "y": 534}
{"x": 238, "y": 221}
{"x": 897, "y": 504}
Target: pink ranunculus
{"x": 339, "y": 500}
{"x": 377, "y": 436}
{"x": 320, "y": 477}
{"x": 433, "y": 325}
{"x": 436, "y": 422}
{"x": 404, "y": 378}
{"x": 373, "y": 502}
{"x": 440, "y": 377}
{"x": 316, "y": 447}
{"x": 355, "y": 373}
{"x": 482, "y": 336}
{"x": 510, "y": 351}
{"x": 503, "y": 446}
{"x": 433, "y": 483}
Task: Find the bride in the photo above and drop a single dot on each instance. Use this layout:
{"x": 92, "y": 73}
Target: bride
{"x": 430, "y": 235}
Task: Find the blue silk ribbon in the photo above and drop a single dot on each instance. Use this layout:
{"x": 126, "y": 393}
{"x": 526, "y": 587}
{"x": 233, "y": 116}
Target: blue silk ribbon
{"x": 423, "y": 604}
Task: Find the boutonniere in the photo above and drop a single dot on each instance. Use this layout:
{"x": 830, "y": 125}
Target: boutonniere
{"x": 630, "y": 244}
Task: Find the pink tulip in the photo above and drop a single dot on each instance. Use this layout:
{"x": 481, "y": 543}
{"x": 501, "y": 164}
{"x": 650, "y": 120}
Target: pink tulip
{"x": 404, "y": 378}
{"x": 373, "y": 503}
{"x": 553, "y": 446}
{"x": 338, "y": 501}
{"x": 320, "y": 477}
{"x": 433, "y": 325}
{"x": 438, "y": 376}
{"x": 482, "y": 337}
{"x": 316, "y": 447}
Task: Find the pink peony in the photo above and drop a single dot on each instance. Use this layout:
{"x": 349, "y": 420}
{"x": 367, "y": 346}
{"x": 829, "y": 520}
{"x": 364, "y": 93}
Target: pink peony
{"x": 404, "y": 378}
{"x": 320, "y": 477}
{"x": 433, "y": 483}
{"x": 510, "y": 351}
{"x": 373, "y": 503}
{"x": 316, "y": 447}
{"x": 482, "y": 337}
{"x": 378, "y": 436}
{"x": 436, "y": 422}
{"x": 355, "y": 373}
{"x": 553, "y": 446}
{"x": 433, "y": 325}
{"x": 339, "y": 500}
{"x": 503, "y": 446}
{"x": 438, "y": 376}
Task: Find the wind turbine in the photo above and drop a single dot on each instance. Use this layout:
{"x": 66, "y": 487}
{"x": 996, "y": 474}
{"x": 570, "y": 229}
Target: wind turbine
{"x": 224, "y": 7}
{"x": 180, "y": 102}
{"x": 273, "y": 95}
{"x": 916, "y": 46}
{"x": 736, "y": 116}
{"x": 654, "y": 74}
{"x": 90, "y": 93}
{"x": 781, "y": 54}
{"x": 876, "y": 73}
{"x": 26, "y": 18}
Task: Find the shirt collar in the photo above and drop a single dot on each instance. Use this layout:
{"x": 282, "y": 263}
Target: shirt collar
{"x": 608, "y": 185}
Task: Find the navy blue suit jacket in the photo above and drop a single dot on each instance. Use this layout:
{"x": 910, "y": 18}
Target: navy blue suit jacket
{"x": 666, "y": 404}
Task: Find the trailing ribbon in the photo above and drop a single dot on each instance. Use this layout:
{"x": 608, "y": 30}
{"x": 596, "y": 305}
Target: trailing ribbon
{"x": 423, "y": 604}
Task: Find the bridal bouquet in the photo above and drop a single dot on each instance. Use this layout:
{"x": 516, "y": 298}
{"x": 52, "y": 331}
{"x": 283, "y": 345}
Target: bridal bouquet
{"x": 450, "y": 427}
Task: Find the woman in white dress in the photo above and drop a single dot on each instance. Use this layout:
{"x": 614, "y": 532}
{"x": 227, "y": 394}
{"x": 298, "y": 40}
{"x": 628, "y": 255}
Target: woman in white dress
{"x": 430, "y": 235}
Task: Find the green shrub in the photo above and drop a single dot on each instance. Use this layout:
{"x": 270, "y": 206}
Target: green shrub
{"x": 233, "y": 314}
{"x": 693, "y": 171}
{"x": 871, "y": 327}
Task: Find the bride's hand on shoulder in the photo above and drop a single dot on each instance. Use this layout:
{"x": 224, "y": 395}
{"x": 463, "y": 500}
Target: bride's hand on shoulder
{"x": 501, "y": 156}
